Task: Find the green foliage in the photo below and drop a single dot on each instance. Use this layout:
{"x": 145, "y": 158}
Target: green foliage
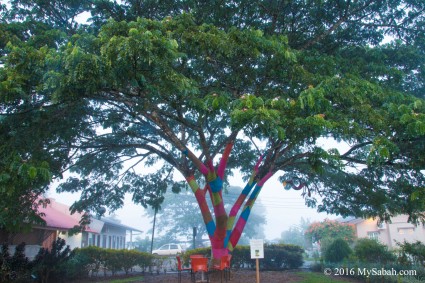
{"x": 337, "y": 251}
{"x": 22, "y": 183}
{"x": 15, "y": 268}
{"x": 281, "y": 256}
{"x": 50, "y": 264}
{"x": 92, "y": 259}
{"x": 412, "y": 253}
{"x": 144, "y": 82}
{"x": 369, "y": 250}
{"x": 241, "y": 256}
{"x": 277, "y": 257}
{"x": 79, "y": 266}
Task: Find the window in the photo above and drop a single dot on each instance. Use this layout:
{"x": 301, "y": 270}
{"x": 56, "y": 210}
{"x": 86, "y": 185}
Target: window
{"x": 164, "y": 247}
{"x": 173, "y": 247}
{"x": 374, "y": 235}
{"x": 406, "y": 231}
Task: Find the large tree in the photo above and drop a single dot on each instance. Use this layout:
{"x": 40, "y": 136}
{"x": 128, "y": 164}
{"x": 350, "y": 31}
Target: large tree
{"x": 238, "y": 85}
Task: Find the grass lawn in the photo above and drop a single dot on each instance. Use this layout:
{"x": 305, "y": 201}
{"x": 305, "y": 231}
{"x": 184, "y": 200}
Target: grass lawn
{"x": 127, "y": 280}
{"x": 314, "y": 277}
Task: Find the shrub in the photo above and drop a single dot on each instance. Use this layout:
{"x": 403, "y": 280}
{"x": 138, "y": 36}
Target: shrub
{"x": 128, "y": 259}
{"x": 368, "y": 250}
{"x": 14, "y": 268}
{"x": 144, "y": 260}
{"x": 337, "y": 251}
{"x": 282, "y": 256}
{"x": 113, "y": 261}
{"x": 94, "y": 258}
{"x": 413, "y": 253}
{"x": 78, "y": 266}
{"x": 241, "y": 257}
{"x": 277, "y": 257}
{"x": 50, "y": 264}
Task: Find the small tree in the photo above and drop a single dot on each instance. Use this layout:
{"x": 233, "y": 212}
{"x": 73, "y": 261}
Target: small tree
{"x": 337, "y": 251}
{"x": 330, "y": 229}
{"x": 369, "y": 250}
{"x": 50, "y": 263}
{"x": 16, "y": 267}
{"x": 412, "y": 252}
{"x": 296, "y": 234}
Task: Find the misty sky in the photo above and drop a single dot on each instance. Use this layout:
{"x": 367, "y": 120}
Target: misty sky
{"x": 282, "y": 208}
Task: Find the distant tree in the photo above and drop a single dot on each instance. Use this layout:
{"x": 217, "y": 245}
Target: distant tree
{"x": 296, "y": 234}
{"x": 330, "y": 229}
{"x": 178, "y": 216}
{"x": 143, "y": 245}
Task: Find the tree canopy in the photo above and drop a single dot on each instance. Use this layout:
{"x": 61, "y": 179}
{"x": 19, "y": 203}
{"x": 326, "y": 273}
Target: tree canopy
{"x": 201, "y": 89}
{"x": 330, "y": 229}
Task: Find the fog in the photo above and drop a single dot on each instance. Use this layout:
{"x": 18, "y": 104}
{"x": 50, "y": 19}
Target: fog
{"x": 282, "y": 208}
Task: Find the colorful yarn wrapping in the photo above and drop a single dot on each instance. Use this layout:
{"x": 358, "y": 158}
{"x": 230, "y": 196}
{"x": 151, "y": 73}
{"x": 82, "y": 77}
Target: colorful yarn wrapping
{"x": 226, "y": 231}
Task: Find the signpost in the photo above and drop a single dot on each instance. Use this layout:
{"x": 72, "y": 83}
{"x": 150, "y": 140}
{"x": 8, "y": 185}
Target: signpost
{"x": 257, "y": 252}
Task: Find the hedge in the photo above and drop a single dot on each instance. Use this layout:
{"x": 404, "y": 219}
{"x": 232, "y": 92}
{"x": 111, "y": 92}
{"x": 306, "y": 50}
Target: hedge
{"x": 96, "y": 258}
{"x": 276, "y": 257}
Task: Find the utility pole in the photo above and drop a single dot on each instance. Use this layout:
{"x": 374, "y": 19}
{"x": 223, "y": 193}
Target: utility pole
{"x": 153, "y": 228}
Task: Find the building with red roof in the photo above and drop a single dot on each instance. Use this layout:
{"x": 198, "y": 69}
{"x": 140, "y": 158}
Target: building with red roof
{"x": 103, "y": 232}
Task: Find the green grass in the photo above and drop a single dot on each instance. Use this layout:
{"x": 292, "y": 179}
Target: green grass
{"x": 127, "y": 280}
{"x": 314, "y": 277}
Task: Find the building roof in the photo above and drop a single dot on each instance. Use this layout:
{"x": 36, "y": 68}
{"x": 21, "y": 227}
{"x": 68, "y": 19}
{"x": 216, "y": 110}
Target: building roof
{"x": 350, "y": 220}
{"x": 58, "y": 216}
{"x": 118, "y": 224}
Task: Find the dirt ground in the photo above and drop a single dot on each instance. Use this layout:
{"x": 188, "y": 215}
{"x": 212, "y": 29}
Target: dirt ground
{"x": 238, "y": 276}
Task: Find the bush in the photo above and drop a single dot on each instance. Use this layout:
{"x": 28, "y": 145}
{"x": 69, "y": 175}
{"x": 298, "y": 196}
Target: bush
{"x": 337, "y": 251}
{"x": 144, "y": 260}
{"x": 241, "y": 257}
{"x": 78, "y": 266}
{"x": 92, "y": 259}
{"x": 412, "y": 253}
{"x": 277, "y": 257}
{"x": 282, "y": 256}
{"x": 368, "y": 250}
{"x": 50, "y": 265}
{"x": 16, "y": 268}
